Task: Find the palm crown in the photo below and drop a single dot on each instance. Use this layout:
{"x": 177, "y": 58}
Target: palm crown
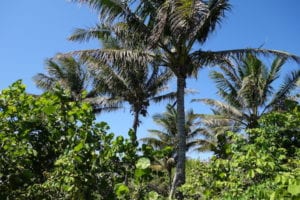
{"x": 67, "y": 72}
{"x": 120, "y": 78}
{"x": 166, "y": 137}
{"x": 248, "y": 90}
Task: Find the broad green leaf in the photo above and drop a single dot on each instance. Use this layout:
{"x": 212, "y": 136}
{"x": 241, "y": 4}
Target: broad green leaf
{"x": 139, "y": 173}
{"x": 50, "y": 109}
{"x": 153, "y": 195}
{"x": 121, "y": 189}
{"x": 273, "y": 195}
{"x": 143, "y": 163}
{"x": 60, "y": 161}
{"x": 68, "y": 188}
{"x": 222, "y": 175}
{"x": 34, "y": 152}
{"x": 294, "y": 189}
{"x": 251, "y": 173}
{"x": 78, "y": 147}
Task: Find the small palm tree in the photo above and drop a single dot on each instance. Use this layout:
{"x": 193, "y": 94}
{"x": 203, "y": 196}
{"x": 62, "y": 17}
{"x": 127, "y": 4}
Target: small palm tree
{"x": 213, "y": 130}
{"x": 67, "y": 72}
{"x": 166, "y": 137}
{"x": 248, "y": 91}
{"x": 75, "y": 77}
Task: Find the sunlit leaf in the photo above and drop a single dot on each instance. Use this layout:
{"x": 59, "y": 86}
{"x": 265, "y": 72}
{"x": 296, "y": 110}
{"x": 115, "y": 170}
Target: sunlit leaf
{"x": 143, "y": 163}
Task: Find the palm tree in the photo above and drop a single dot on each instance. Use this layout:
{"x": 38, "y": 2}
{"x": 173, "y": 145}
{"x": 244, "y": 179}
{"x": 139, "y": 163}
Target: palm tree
{"x": 172, "y": 31}
{"x": 166, "y": 137}
{"x": 213, "y": 131}
{"x": 137, "y": 83}
{"x": 73, "y": 76}
{"x": 67, "y": 72}
{"x": 248, "y": 91}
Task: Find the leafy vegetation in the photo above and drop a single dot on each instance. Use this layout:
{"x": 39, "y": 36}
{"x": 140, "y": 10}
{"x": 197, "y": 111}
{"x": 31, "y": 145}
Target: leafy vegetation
{"x": 173, "y": 34}
{"x": 265, "y": 167}
{"x": 248, "y": 91}
{"x": 52, "y": 147}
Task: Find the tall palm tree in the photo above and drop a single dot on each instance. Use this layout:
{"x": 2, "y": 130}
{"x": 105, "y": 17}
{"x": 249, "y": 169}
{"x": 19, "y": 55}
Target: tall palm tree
{"x": 74, "y": 76}
{"x": 136, "y": 83}
{"x": 71, "y": 74}
{"x": 248, "y": 90}
{"x": 166, "y": 137}
{"x": 67, "y": 72}
{"x": 176, "y": 30}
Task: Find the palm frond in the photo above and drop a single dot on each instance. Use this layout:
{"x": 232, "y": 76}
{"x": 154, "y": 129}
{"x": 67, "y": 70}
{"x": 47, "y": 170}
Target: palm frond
{"x": 104, "y": 104}
{"x": 225, "y": 108}
{"x": 204, "y": 145}
{"x": 161, "y": 18}
{"x": 153, "y": 142}
{"x": 286, "y": 87}
{"x": 273, "y": 74}
{"x": 167, "y": 121}
{"x": 216, "y": 13}
{"x": 222, "y": 82}
{"x": 99, "y": 32}
{"x": 231, "y": 98}
{"x": 186, "y": 16}
{"x": 168, "y": 96}
{"x": 43, "y": 81}
{"x": 115, "y": 56}
{"x": 160, "y": 135}
{"x": 54, "y": 69}
{"x": 239, "y": 53}
{"x": 209, "y": 58}
{"x": 84, "y": 35}
{"x": 108, "y": 9}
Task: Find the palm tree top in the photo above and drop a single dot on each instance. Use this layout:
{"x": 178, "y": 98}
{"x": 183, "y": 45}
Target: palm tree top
{"x": 167, "y": 135}
{"x": 67, "y": 72}
{"x": 248, "y": 89}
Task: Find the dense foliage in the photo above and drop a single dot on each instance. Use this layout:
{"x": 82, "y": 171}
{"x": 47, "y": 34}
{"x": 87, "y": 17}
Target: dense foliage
{"x": 173, "y": 35}
{"x": 51, "y": 148}
{"x": 265, "y": 165}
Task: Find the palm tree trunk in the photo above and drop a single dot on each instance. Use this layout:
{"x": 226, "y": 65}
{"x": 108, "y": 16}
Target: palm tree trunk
{"x": 134, "y": 127}
{"x": 170, "y": 178}
{"x": 179, "y": 177}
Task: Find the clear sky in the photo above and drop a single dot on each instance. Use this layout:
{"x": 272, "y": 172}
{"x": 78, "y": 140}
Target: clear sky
{"x": 33, "y": 30}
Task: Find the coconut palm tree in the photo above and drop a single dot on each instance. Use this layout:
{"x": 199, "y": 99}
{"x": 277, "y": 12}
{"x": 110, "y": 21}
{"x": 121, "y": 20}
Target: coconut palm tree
{"x": 166, "y": 137}
{"x": 248, "y": 90}
{"x": 174, "y": 32}
{"x": 74, "y": 76}
{"x": 213, "y": 132}
{"x": 137, "y": 83}
{"x": 67, "y": 72}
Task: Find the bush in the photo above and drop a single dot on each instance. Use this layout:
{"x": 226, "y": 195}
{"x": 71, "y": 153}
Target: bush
{"x": 264, "y": 166}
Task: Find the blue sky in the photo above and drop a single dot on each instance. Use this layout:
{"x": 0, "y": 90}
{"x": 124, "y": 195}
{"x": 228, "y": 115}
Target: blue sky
{"x": 33, "y": 30}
